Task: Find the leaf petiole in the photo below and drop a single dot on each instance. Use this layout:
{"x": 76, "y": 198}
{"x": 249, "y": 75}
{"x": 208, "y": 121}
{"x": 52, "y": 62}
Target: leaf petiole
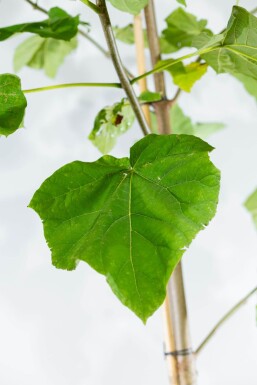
{"x": 69, "y": 85}
{"x": 91, "y": 5}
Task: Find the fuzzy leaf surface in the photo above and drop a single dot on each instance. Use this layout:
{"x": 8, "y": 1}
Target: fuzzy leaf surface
{"x": 12, "y": 104}
{"x": 59, "y": 25}
{"x": 131, "y": 219}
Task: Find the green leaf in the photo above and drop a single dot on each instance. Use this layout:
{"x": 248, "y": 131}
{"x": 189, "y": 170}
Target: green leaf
{"x": 125, "y": 34}
{"x": 236, "y": 53}
{"x": 110, "y": 123}
{"x": 149, "y": 97}
{"x": 249, "y": 83}
{"x": 183, "y": 2}
{"x": 130, "y": 6}
{"x": 185, "y": 76}
{"x": 131, "y": 219}
{"x": 182, "y": 124}
{"x": 251, "y": 205}
{"x": 40, "y": 53}
{"x": 182, "y": 28}
{"x": 204, "y": 130}
{"x": 12, "y": 104}
{"x": 59, "y": 25}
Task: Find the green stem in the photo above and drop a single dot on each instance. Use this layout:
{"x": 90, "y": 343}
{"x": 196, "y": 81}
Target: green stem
{"x": 37, "y": 7}
{"x": 69, "y": 85}
{"x": 166, "y": 64}
{"x": 91, "y": 5}
{"x": 233, "y": 310}
{"x": 118, "y": 65}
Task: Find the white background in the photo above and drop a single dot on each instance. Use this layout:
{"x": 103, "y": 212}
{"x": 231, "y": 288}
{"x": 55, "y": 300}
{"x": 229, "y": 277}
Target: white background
{"x": 67, "y": 328}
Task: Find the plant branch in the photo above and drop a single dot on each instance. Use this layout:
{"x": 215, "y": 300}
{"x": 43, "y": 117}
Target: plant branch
{"x": 37, "y": 7}
{"x": 69, "y": 85}
{"x": 91, "y": 5}
{"x": 104, "y": 51}
{"x": 167, "y": 64}
{"x": 107, "y": 28}
{"x": 233, "y": 310}
{"x": 162, "y": 109}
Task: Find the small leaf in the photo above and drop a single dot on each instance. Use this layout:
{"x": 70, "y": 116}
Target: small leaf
{"x": 149, "y": 97}
{"x": 40, "y": 53}
{"x": 251, "y": 205}
{"x": 12, "y": 104}
{"x": 183, "y": 2}
{"x": 125, "y": 34}
{"x": 129, "y": 6}
{"x": 182, "y": 28}
{"x": 59, "y": 25}
{"x": 110, "y": 123}
{"x": 185, "y": 76}
{"x": 131, "y": 219}
{"x": 182, "y": 124}
{"x": 204, "y": 130}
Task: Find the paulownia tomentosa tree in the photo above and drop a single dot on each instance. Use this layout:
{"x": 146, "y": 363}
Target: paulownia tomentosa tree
{"x": 131, "y": 219}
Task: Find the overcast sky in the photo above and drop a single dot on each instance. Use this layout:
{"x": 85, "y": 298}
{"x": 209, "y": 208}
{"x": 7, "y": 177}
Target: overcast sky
{"x": 67, "y": 328}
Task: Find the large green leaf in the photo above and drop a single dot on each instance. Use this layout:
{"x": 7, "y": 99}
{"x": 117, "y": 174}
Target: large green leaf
{"x": 110, "y": 123}
{"x": 236, "y": 53}
{"x": 12, "y": 104}
{"x": 182, "y": 28}
{"x": 251, "y": 205}
{"x": 59, "y": 25}
{"x": 131, "y": 219}
{"x": 130, "y": 6}
{"x": 40, "y": 53}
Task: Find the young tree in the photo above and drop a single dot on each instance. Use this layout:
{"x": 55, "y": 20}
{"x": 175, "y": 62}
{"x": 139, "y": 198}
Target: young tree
{"x": 132, "y": 219}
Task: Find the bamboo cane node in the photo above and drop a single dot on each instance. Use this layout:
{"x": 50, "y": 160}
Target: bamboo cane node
{"x": 183, "y": 352}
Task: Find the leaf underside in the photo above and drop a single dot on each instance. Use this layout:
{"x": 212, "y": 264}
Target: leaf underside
{"x": 131, "y": 219}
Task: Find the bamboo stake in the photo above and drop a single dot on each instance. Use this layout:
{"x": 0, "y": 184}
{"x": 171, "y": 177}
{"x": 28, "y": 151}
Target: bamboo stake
{"x": 183, "y": 368}
{"x": 141, "y": 63}
{"x": 170, "y": 345}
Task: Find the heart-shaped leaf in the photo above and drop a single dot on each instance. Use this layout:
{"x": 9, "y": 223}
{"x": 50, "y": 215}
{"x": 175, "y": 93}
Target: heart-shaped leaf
{"x": 131, "y": 219}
